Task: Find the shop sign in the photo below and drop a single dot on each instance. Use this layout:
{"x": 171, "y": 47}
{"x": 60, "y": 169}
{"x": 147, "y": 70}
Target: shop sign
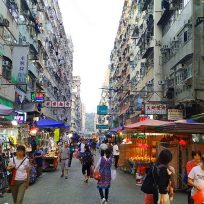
{"x": 102, "y": 127}
{"x": 21, "y": 117}
{"x": 57, "y": 104}
{"x": 20, "y": 67}
{"x": 175, "y": 114}
{"x": 37, "y": 97}
{"x": 102, "y": 110}
{"x": 143, "y": 117}
{"x": 155, "y": 109}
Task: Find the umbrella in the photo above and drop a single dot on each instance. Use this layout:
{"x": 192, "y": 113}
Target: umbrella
{"x": 46, "y": 123}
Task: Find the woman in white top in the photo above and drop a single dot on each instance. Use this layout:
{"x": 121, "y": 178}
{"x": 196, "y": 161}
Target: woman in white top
{"x": 21, "y": 181}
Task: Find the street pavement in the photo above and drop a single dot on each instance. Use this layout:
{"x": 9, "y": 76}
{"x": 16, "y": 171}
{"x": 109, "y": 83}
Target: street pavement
{"x": 51, "y": 189}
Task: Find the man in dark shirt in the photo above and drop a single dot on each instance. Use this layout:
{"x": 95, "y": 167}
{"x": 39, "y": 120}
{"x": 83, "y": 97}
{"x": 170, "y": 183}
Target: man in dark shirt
{"x": 38, "y": 155}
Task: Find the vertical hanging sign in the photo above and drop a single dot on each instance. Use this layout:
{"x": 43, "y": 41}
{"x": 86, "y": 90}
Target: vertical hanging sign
{"x": 20, "y": 66}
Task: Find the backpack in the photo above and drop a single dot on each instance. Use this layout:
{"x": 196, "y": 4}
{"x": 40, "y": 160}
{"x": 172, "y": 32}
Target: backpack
{"x": 150, "y": 184}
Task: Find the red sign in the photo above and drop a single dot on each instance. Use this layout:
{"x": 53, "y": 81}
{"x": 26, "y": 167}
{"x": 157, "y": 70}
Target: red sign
{"x": 60, "y": 104}
{"x": 57, "y": 104}
{"x": 54, "y": 104}
{"x": 48, "y": 104}
{"x": 67, "y": 104}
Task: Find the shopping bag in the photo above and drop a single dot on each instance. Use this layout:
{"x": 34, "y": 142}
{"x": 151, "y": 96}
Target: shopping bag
{"x": 113, "y": 174}
{"x": 92, "y": 171}
{"x": 76, "y": 155}
{"x": 97, "y": 175}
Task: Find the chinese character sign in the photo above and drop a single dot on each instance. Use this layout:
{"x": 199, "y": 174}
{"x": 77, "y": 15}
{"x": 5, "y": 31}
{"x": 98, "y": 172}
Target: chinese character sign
{"x": 155, "y": 109}
{"x": 20, "y": 67}
{"x": 57, "y": 104}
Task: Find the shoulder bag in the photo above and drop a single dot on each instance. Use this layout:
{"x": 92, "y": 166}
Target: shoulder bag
{"x": 13, "y": 172}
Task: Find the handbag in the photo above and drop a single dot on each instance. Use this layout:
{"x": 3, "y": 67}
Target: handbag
{"x": 97, "y": 175}
{"x": 13, "y": 172}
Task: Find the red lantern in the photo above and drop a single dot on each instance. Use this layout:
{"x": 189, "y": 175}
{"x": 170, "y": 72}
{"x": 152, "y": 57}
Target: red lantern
{"x": 33, "y": 131}
{"x": 182, "y": 142}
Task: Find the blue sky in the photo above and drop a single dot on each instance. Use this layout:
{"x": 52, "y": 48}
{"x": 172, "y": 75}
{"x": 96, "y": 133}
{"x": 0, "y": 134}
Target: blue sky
{"x": 92, "y": 25}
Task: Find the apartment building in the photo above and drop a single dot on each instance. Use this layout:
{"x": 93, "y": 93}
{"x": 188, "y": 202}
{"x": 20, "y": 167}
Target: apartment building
{"x": 76, "y": 108}
{"x": 104, "y": 101}
{"x": 157, "y": 59}
{"x": 36, "y": 59}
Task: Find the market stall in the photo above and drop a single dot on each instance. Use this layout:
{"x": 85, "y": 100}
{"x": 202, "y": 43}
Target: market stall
{"x": 144, "y": 140}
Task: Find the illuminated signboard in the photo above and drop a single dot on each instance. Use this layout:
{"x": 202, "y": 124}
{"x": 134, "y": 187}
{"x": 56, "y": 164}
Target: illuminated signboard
{"x": 21, "y": 117}
{"x": 37, "y": 97}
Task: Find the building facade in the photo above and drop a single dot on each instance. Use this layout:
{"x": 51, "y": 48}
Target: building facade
{"x": 76, "y": 108}
{"x": 36, "y": 59}
{"x": 157, "y": 60}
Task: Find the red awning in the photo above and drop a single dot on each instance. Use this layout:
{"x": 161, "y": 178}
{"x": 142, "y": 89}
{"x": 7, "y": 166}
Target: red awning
{"x": 148, "y": 123}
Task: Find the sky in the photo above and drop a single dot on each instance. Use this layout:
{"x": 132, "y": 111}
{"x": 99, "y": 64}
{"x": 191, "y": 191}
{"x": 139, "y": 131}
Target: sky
{"x": 93, "y": 25}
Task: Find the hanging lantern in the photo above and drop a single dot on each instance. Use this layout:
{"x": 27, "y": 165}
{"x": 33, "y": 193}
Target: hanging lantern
{"x": 182, "y": 142}
{"x": 33, "y": 131}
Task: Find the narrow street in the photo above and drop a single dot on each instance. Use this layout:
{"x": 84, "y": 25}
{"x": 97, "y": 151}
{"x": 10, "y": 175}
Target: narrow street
{"x": 51, "y": 189}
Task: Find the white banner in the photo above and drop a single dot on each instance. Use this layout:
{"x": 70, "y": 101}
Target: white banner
{"x": 175, "y": 114}
{"x": 20, "y": 66}
{"x": 155, "y": 109}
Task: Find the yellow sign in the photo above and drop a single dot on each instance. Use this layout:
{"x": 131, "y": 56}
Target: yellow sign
{"x": 57, "y": 135}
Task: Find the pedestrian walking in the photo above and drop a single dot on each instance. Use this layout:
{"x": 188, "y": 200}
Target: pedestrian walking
{"x": 104, "y": 165}
{"x": 3, "y": 173}
{"x": 116, "y": 154}
{"x": 72, "y": 150}
{"x": 64, "y": 158}
{"x": 87, "y": 161}
{"x": 159, "y": 181}
{"x": 19, "y": 166}
{"x": 196, "y": 180}
{"x": 196, "y": 160}
{"x": 38, "y": 155}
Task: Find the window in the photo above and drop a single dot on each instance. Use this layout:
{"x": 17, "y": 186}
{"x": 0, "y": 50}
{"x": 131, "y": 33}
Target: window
{"x": 185, "y": 35}
{"x": 6, "y": 68}
{"x": 31, "y": 82}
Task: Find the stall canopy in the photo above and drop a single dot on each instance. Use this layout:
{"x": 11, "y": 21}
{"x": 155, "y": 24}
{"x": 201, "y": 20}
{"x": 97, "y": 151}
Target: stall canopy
{"x": 117, "y": 129}
{"x": 6, "y": 111}
{"x": 147, "y": 123}
{"x": 46, "y": 123}
{"x": 183, "y": 126}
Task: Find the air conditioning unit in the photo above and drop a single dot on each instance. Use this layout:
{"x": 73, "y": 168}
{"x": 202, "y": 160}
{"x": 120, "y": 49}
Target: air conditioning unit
{"x": 165, "y": 47}
{"x": 175, "y": 39}
{"x": 172, "y": 7}
{"x": 162, "y": 82}
{"x": 4, "y": 22}
{"x": 150, "y": 83}
{"x": 5, "y": 63}
{"x": 24, "y": 39}
{"x": 180, "y": 66}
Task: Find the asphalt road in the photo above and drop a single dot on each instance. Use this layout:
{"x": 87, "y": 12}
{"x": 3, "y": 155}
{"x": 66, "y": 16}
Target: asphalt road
{"x": 51, "y": 189}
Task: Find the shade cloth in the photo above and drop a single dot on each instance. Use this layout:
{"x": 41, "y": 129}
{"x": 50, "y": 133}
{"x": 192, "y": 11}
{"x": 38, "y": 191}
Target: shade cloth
{"x": 6, "y": 111}
{"x": 46, "y": 123}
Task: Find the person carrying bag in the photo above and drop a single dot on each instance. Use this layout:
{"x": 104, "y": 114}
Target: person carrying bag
{"x": 20, "y": 171}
